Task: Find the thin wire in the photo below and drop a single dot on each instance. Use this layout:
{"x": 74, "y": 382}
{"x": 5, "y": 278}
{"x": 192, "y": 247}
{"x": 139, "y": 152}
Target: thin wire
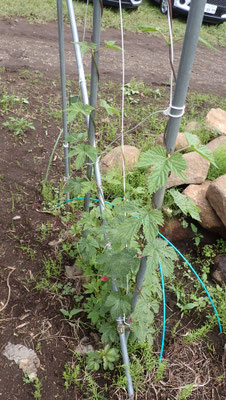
{"x": 197, "y": 276}
{"x": 123, "y": 101}
{"x": 132, "y": 129}
{"x": 164, "y": 313}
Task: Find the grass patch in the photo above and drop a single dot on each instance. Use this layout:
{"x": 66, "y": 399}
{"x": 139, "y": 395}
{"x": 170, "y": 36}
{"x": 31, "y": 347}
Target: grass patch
{"x": 147, "y": 14}
{"x": 220, "y": 159}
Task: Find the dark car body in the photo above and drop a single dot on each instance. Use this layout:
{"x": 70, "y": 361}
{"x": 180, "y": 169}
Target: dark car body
{"x": 215, "y": 10}
{"x": 125, "y": 3}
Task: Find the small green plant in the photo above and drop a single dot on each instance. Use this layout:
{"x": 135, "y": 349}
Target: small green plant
{"x": 199, "y": 334}
{"x": 197, "y": 235}
{"x": 186, "y": 391}
{"x": 131, "y": 93}
{"x": 44, "y": 230}
{"x": 220, "y": 160}
{"x": 37, "y": 386}
{"x": 106, "y": 357}
{"x": 160, "y": 372}
{"x": 18, "y": 126}
{"x": 71, "y": 374}
{"x": 7, "y": 101}
{"x": 27, "y": 249}
{"x": 93, "y": 390}
{"x": 70, "y": 314}
{"x": 51, "y": 267}
{"x": 51, "y": 196}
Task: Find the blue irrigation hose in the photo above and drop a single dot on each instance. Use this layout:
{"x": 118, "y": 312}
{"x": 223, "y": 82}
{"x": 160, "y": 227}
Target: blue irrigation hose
{"x": 82, "y": 198}
{"x": 164, "y": 314}
{"x": 197, "y": 276}
{"x": 162, "y": 280}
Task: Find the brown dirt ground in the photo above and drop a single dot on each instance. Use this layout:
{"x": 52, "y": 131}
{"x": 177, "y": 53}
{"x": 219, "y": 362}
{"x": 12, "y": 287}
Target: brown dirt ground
{"x": 29, "y": 55}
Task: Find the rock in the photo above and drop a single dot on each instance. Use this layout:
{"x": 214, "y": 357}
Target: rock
{"x": 181, "y": 142}
{"x": 26, "y": 358}
{"x": 209, "y": 219}
{"x": 82, "y": 349}
{"x": 215, "y": 143}
{"x": 113, "y": 159}
{"x": 219, "y": 271}
{"x": 216, "y": 119}
{"x": 196, "y": 172}
{"x": 72, "y": 272}
{"x": 216, "y": 195}
{"x": 173, "y": 230}
{"x": 16, "y": 218}
{"x": 192, "y": 126}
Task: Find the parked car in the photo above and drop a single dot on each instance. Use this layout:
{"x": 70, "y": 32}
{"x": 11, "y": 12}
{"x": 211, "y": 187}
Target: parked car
{"x": 125, "y": 3}
{"x": 215, "y": 10}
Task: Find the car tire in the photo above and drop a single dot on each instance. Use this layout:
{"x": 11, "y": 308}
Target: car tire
{"x": 163, "y": 6}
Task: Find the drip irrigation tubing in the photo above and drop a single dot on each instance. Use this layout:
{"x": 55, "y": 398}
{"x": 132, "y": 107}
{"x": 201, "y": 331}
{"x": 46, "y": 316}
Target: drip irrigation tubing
{"x": 197, "y": 276}
{"x": 162, "y": 279}
{"x": 164, "y": 314}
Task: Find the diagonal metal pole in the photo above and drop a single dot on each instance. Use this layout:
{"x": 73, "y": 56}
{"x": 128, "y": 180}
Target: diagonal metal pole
{"x": 97, "y": 11}
{"x": 85, "y": 99}
{"x": 78, "y": 55}
{"x": 63, "y": 87}
{"x": 194, "y": 23}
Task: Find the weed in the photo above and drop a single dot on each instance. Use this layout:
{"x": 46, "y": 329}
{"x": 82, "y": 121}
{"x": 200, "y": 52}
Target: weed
{"x": 38, "y": 346}
{"x": 107, "y": 356}
{"x": 160, "y": 372}
{"x": 220, "y": 160}
{"x": 70, "y": 314}
{"x": 44, "y": 230}
{"x": 51, "y": 196}
{"x": 51, "y": 267}
{"x": 37, "y": 386}
{"x": 92, "y": 388}
{"x": 197, "y": 235}
{"x": 131, "y": 93}
{"x": 18, "y": 126}
{"x": 70, "y": 375}
{"x": 27, "y": 249}
{"x": 186, "y": 391}
{"x": 7, "y": 102}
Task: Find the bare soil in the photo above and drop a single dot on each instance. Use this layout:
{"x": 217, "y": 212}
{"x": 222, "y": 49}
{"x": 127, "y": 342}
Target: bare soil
{"x": 30, "y": 68}
{"x": 34, "y": 47}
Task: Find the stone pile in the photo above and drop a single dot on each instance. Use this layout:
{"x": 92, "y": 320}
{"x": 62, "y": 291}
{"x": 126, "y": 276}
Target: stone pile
{"x": 210, "y": 197}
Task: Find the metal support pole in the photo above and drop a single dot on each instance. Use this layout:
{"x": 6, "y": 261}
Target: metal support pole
{"x": 125, "y": 357}
{"x": 123, "y": 341}
{"x": 78, "y": 55}
{"x": 93, "y": 101}
{"x": 194, "y": 23}
{"x": 63, "y": 87}
{"x": 139, "y": 283}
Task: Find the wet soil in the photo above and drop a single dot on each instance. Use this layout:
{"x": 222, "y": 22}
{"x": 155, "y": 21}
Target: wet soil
{"x": 30, "y": 68}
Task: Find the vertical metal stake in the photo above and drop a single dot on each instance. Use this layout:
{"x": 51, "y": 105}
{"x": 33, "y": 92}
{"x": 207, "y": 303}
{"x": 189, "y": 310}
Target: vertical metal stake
{"x": 63, "y": 87}
{"x": 93, "y": 101}
{"x": 194, "y": 23}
